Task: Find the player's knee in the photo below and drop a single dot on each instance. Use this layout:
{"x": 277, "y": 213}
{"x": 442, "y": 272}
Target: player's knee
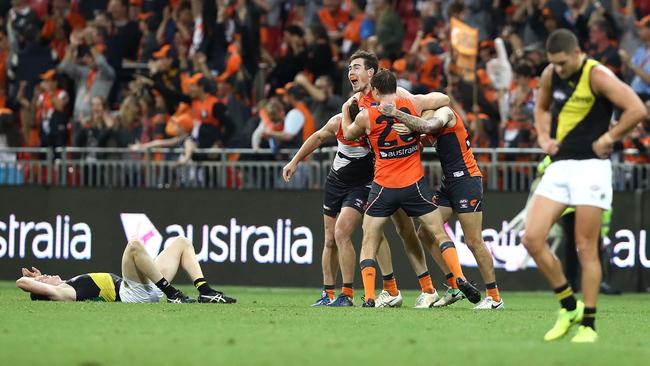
{"x": 342, "y": 235}
{"x": 134, "y": 245}
{"x": 532, "y": 243}
{"x": 473, "y": 241}
{"x": 330, "y": 242}
{"x": 181, "y": 241}
{"x": 587, "y": 250}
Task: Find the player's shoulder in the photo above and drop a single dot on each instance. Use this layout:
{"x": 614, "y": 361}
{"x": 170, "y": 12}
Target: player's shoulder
{"x": 547, "y": 74}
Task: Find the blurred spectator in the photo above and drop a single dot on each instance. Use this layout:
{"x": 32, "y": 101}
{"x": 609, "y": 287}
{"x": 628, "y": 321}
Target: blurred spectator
{"x": 9, "y": 137}
{"x": 298, "y": 124}
{"x": 51, "y": 111}
{"x": 91, "y": 129}
{"x": 518, "y": 131}
{"x": 639, "y": 63}
{"x": 148, "y": 23}
{"x": 271, "y": 118}
{"x": 292, "y": 60}
{"x": 126, "y": 30}
{"x": 322, "y": 101}
{"x": 92, "y": 75}
{"x": 390, "y": 30}
{"x": 333, "y": 18}
{"x": 318, "y": 57}
{"x": 22, "y": 22}
{"x": 235, "y": 101}
{"x": 246, "y": 24}
{"x": 31, "y": 60}
{"x": 352, "y": 36}
{"x": 601, "y": 48}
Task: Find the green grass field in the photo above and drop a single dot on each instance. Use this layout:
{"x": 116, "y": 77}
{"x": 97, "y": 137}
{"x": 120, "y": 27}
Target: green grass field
{"x": 277, "y": 327}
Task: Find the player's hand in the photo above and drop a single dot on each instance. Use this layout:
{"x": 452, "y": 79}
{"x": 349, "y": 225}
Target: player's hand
{"x": 604, "y": 146}
{"x": 550, "y": 146}
{"x": 35, "y": 272}
{"x": 401, "y": 129}
{"x": 387, "y": 109}
{"x": 288, "y": 171}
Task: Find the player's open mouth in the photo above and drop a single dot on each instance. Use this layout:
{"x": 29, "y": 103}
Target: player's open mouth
{"x": 354, "y": 81}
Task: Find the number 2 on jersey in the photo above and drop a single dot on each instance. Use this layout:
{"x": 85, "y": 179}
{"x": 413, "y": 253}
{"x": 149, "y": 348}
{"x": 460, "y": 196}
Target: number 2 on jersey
{"x": 390, "y": 121}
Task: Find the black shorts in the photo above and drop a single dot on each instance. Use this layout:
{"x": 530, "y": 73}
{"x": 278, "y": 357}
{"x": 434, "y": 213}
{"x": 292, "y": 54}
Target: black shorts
{"x": 463, "y": 196}
{"x": 338, "y": 196}
{"x": 416, "y": 200}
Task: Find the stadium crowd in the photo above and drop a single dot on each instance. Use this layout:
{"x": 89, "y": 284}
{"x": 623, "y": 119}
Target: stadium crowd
{"x": 268, "y": 73}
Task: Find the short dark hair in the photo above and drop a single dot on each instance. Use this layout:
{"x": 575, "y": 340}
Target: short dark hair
{"x": 369, "y": 58}
{"x": 524, "y": 69}
{"x": 385, "y": 82}
{"x": 604, "y": 27}
{"x": 561, "y": 40}
{"x": 296, "y": 91}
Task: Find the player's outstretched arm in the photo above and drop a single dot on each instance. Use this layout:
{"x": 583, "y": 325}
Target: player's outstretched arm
{"x": 313, "y": 142}
{"x": 423, "y": 102}
{"x": 441, "y": 118}
{"x": 605, "y": 83}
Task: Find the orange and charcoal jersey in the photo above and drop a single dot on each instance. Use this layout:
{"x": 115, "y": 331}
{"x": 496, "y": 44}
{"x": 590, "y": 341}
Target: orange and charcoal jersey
{"x": 455, "y": 152}
{"x": 397, "y": 157}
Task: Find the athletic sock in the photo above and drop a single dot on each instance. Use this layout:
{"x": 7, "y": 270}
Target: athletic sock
{"x": 566, "y": 297}
{"x": 166, "y": 287}
{"x": 329, "y": 290}
{"x": 493, "y": 291}
{"x": 347, "y": 290}
{"x": 368, "y": 274}
{"x": 390, "y": 284}
{"x": 425, "y": 283}
{"x": 450, "y": 256}
{"x": 589, "y": 318}
{"x": 450, "y": 281}
{"x": 202, "y": 285}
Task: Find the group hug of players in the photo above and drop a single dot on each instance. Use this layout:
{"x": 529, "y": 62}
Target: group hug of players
{"x": 377, "y": 173}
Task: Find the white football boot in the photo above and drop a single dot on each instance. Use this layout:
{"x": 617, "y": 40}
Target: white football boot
{"x": 385, "y": 300}
{"x": 426, "y": 300}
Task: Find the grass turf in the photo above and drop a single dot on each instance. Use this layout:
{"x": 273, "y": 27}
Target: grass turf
{"x": 270, "y": 326}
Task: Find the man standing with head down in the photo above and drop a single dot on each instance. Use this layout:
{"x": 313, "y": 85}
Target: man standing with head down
{"x": 573, "y": 111}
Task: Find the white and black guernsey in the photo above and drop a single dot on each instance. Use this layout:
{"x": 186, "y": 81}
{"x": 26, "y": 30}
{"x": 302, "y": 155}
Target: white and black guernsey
{"x": 353, "y": 164}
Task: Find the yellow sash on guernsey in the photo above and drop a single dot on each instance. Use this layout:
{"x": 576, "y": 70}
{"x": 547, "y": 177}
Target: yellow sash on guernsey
{"x": 106, "y": 286}
{"x": 579, "y": 104}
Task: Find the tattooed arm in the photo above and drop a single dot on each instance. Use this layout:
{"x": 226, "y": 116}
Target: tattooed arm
{"x": 441, "y": 118}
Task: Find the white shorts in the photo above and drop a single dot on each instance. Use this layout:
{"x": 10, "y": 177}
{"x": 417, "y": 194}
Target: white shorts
{"x": 132, "y": 291}
{"x": 578, "y": 183}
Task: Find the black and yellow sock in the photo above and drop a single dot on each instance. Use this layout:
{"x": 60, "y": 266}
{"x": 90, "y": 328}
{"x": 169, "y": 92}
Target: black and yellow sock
{"x": 329, "y": 290}
{"x": 166, "y": 287}
{"x": 202, "y": 285}
{"x": 567, "y": 299}
{"x": 589, "y": 318}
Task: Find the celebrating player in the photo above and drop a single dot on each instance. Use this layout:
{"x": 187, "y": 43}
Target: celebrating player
{"x": 461, "y": 192}
{"x": 399, "y": 178}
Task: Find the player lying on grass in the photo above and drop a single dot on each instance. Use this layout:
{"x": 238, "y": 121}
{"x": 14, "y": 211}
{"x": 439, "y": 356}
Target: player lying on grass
{"x": 143, "y": 279}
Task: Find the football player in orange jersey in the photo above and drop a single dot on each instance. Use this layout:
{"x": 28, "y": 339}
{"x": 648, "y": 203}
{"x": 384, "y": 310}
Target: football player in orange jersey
{"x": 399, "y": 178}
{"x": 461, "y": 192}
